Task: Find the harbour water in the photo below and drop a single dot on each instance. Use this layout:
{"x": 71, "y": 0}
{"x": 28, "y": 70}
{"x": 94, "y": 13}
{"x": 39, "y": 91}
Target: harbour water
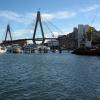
{"x": 51, "y": 76}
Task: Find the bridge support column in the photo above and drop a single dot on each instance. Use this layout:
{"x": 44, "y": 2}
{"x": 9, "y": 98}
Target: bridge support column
{"x": 38, "y": 20}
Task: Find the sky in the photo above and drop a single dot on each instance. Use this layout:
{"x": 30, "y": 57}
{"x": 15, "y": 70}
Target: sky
{"x": 64, "y": 14}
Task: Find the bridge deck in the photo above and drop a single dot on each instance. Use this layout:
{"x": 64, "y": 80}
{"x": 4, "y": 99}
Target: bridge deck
{"x": 36, "y": 39}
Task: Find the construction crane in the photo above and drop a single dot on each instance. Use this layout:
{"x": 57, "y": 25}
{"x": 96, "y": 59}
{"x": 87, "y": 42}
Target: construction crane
{"x": 90, "y": 29}
{"x": 89, "y": 33}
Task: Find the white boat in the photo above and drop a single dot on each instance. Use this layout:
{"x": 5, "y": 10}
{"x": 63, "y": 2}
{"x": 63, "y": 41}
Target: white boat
{"x": 15, "y": 48}
{"x": 2, "y": 50}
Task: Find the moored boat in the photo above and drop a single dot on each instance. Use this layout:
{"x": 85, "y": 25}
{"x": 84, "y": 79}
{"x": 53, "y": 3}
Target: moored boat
{"x": 15, "y": 48}
{"x": 2, "y": 50}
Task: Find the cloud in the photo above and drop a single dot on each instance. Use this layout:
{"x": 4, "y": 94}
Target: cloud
{"x": 90, "y": 8}
{"x": 10, "y": 15}
{"x": 28, "y": 33}
{"x": 13, "y": 16}
{"x": 65, "y": 14}
{"x": 55, "y": 34}
{"x": 28, "y": 17}
{"x": 17, "y": 34}
{"x": 58, "y": 15}
{"x": 22, "y": 33}
{"x": 46, "y": 16}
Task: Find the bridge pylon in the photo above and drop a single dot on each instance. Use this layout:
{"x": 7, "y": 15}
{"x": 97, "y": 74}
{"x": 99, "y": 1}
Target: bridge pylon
{"x": 38, "y": 20}
{"x": 8, "y": 32}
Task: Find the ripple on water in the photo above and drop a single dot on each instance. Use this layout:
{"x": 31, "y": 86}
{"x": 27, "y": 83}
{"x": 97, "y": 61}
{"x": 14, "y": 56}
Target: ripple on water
{"x": 49, "y": 77}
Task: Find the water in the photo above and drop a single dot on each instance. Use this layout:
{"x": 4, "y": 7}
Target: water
{"x": 49, "y": 77}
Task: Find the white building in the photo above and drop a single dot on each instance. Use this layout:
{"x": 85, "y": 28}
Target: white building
{"x": 81, "y": 33}
{"x": 83, "y": 38}
{"x": 87, "y": 41}
{"x": 53, "y": 42}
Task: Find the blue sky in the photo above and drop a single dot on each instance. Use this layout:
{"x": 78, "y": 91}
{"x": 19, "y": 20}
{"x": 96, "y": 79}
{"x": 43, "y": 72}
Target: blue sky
{"x": 65, "y": 14}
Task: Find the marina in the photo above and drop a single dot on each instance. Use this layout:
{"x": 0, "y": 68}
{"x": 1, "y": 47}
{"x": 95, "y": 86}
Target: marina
{"x": 81, "y": 39}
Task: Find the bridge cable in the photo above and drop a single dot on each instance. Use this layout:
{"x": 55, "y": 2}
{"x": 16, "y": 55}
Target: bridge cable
{"x": 49, "y": 29}
{"x": 93, "y": 20}
{"x": 55, "y": 27}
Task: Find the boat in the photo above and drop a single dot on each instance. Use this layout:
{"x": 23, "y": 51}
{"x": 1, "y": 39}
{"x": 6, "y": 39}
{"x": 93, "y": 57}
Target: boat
{"x": 3, "y": 50}
{"x": 15, "y": 48}
{"x": 87, "y": 51}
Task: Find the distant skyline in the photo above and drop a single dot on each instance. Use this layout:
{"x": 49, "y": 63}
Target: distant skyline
{"x": 65, "y": 14}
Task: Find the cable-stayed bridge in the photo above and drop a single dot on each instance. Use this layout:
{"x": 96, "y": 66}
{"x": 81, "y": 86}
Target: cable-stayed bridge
{"x": 34, "y": 39}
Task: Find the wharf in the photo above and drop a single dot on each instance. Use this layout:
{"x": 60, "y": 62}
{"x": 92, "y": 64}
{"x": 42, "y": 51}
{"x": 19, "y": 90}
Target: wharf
{"x": 87, "y": 51}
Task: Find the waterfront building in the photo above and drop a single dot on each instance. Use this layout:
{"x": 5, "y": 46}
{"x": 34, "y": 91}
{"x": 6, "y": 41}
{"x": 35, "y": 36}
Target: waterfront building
{"x": 69, "y": 41}
{"x": 75, "y": 37}
{"x": 96, "y": 38}
{"x": 81, "y": 36}
{"x": 88, "y": 36}
{"x": 53, "y": 43}
{"x": 85, "y": 36}
{"x": 63, "y": 41}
